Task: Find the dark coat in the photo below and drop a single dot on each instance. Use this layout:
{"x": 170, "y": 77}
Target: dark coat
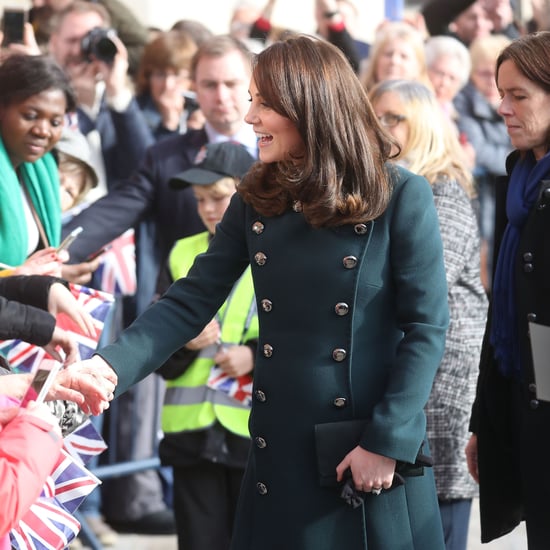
{"x": 24, "y": 308}
{"x": 352, "y": 326}
{"x": 510, "y": 423}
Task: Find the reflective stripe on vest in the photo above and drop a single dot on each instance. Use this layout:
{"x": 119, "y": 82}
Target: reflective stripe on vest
{"x": 189, "y": 404}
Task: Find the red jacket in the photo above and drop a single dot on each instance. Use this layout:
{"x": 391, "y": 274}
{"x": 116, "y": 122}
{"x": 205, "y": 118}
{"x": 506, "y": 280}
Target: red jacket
{"x": 28, "y": 452}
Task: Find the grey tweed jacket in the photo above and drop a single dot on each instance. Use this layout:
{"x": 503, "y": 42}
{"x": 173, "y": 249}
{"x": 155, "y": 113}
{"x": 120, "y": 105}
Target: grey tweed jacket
{"x": 449, "y": 407}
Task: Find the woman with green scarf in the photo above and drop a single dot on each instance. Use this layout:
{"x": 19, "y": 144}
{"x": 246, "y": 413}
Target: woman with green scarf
{"x": 35, "y": 95}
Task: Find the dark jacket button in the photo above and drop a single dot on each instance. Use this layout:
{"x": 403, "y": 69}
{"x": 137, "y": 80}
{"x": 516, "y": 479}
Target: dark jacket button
{"x": 528, "y": 268}
{"x": 258, "y": 227}
{"x": 349, "y": 262}
{"x": 534, "y": 404}
{"x": 261, "y": 443}
{"x": 260, "y": 396}
{"x": 533, "y": 388}
{"x": 531, "y": 317}
{"x": 339, "y": 354}
{"x": 528, "y": 257}
{"x": 262, "y": 488}
{"x": 341, "y": 309}
{"x": 260, "y": 258}
{"x": 340, "y": 402}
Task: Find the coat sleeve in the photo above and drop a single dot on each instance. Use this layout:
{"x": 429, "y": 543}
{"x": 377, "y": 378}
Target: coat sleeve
{"x": 186, "y": 308}
{"x": 398, "y": 424}
{"x": 28, "y": 453}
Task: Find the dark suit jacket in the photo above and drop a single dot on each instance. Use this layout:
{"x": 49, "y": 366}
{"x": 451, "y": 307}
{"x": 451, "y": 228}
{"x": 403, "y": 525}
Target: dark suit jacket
{"x": 145, "y": 195}
{"x": 510, "y": 422}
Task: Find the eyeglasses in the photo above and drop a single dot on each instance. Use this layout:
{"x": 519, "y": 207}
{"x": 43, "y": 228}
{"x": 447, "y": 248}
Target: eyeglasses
{"x": 389, "y": 120}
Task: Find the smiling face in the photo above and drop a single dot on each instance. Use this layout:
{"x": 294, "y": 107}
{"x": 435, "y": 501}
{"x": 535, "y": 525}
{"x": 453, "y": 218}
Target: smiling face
{"x": 525, "y": 107}
{"x": 32, "y": 127}
{"x": 278, "y": 137}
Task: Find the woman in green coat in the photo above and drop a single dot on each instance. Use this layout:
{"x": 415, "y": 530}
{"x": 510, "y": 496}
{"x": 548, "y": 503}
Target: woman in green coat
{"x": 348, "y": 271}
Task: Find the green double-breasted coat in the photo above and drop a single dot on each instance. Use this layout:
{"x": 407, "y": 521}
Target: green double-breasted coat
{"x": 352, "y": 325}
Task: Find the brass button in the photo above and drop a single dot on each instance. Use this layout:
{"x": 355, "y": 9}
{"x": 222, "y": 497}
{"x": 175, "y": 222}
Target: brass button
{"x": 261, "y": 443}
{"x": 360, "y": 228}
{"x": 340, "y": 402}
{"x": 349, "y": 262}
{"x": 262, "y": 488}
{"x": 260, "y": 258}
{"x": 339, "y": 354}
{"x": 267, "y": 305}
{"x": 258, "y": 227}
{"x": 341, "y": 308}
{"x": 260, "y": 396}
{"x": 268, "y": 350}
{"x": 297, "y": 206}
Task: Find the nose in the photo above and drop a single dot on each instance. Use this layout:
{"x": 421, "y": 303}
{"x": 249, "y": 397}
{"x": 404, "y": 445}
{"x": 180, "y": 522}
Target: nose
{"x": 42, "y": 128}
{"x": 250, "y": 116}
{"x": 504, "y": 108}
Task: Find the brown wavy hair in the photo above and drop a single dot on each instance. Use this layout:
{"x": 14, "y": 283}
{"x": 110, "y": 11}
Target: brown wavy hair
{"x": 341, "y": 177}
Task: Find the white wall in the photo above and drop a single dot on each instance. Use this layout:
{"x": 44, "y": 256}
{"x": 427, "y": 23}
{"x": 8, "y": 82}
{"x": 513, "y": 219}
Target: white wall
{"x": 215, "y": 14}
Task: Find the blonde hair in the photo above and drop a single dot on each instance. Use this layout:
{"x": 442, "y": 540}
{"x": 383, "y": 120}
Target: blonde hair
{"x": 68, "y": 164}
{"x": 221, "y": 188}
{"x": 391, "y": 32}
{"x": 432, "y": 149}
{"x": 487, "y": 48}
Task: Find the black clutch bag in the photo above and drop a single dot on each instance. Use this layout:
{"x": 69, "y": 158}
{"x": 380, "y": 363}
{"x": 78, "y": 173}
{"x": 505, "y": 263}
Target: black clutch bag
{"x": 334, "y": 440}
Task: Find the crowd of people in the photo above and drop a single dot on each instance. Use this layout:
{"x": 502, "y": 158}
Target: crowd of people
{"x": 340, "y": 253}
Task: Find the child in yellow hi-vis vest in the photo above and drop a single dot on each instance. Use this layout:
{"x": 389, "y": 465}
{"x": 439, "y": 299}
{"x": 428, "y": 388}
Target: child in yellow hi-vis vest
{"x": 206, "y": 405}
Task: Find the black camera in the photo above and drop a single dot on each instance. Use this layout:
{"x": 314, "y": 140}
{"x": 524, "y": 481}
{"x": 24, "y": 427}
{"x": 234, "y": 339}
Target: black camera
{"x": 97, "y": 44}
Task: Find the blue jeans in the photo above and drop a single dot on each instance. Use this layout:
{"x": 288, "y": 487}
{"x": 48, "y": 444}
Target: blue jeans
{"x": 455, "y": 516}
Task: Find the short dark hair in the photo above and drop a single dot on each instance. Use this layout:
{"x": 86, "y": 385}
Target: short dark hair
{"x": 23, "y": 76}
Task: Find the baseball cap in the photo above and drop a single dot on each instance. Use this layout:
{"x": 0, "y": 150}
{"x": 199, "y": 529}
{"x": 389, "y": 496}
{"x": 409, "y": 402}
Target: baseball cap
{"x": 74, "y": 144}
{"x": 217, "y": 160}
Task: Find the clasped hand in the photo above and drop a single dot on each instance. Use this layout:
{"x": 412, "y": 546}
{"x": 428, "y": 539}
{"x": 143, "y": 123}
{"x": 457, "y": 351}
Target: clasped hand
{"x": 368, "y": 470}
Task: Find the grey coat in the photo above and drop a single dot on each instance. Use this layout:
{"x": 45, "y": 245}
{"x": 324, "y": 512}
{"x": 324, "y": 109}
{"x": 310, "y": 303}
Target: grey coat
{"x": 449, "y": 407}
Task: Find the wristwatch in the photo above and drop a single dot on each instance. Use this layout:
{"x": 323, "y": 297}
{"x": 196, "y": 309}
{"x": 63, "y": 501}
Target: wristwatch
{"x": 330, "y": 14}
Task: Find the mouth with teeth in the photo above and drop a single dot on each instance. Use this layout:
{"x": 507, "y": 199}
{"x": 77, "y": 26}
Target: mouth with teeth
{"x": 264, "y": 139}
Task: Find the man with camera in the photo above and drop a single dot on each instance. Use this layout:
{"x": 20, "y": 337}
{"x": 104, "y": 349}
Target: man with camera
{"x": 96, "y": 60}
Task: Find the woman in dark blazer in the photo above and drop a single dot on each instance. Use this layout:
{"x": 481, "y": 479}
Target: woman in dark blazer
{"x": 509, "y": 450}
{"x": 350, "y": 283}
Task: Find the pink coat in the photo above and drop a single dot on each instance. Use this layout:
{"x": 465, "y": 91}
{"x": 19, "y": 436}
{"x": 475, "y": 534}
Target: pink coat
{"x": 28, "y": 453}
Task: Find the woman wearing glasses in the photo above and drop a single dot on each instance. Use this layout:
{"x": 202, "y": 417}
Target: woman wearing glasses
{"x": 429, "y": 147}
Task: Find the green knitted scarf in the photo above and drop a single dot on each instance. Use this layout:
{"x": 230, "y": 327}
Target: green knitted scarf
{"x": 41, "y": 178}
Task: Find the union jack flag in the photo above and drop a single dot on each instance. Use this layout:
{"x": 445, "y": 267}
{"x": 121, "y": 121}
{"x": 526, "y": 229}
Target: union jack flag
{"x": 239, "y": 388}
{"x": 46, "y": 526}
{"x": 117, "y": 271}
{"x": 27, "y": 357}
{"x": 49, "y": 524}
{"x": 84, "y": 443}
{"x": 73, "y": 481}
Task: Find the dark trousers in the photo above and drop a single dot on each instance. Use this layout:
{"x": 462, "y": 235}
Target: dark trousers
{"x": 205, "y": 499}
{"x": 455, "y": 516}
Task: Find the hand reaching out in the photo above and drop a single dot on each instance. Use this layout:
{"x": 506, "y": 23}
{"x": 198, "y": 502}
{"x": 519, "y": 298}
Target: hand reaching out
{"x": 90, "y": 384}
{"x": 60, "y": 300}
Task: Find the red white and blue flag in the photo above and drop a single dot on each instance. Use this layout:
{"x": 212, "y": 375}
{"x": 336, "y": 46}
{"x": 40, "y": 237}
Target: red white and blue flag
{"x": 46, "y": 526}
{"x": 239, "y": 388}
{"x": 27, "y": 357}
{"x": 73, "y": 481}
{"x": 84, "y": 443}
{"x": 117, "y": 271}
